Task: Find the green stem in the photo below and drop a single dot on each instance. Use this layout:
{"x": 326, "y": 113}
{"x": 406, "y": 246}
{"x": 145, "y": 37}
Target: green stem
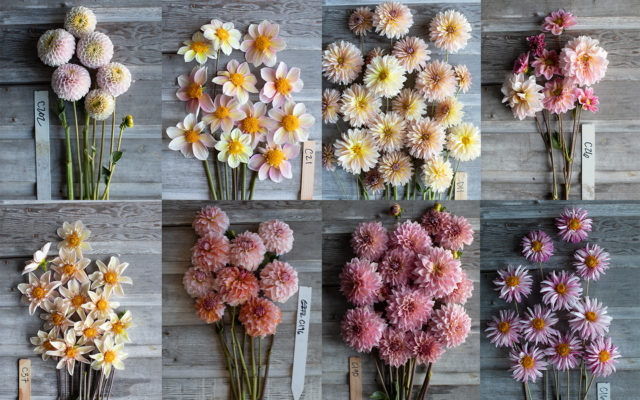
{"x": 85, "y": 152}
{"x": 234, "y": 347}
{"x": 395, "y": 193}
{"x": 212, "y": 187}
{"x": 266, "y": 370}
{"x": 253, "y": 369}
{"x": 113, "y": 130}
{"x": 252, "y": 184}
{"x": 81, "y": 177}
{"x": 593, "y": 378}
{"x": 216, "y": 168}
{"x": 453, "y": 181}
{"x": 225, "y": 349}
{"x": 259, "y": 361}
{"x": 93, "y": 161}
{"x": 100, "y": 164}
{"x": 113, "y": 167}
{"x": 69, "y": 162}
{"x": 243, "y": 173}
{"x": 341, "y": 185}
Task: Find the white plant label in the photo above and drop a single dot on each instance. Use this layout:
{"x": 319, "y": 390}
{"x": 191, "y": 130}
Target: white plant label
{"x": 603, "y": 391}
{"x": 308, "y": 167}
{"x": 301, "y": 342}
{"x": 41, "y": 122}
{"x": 460, "y": 186}
{"x": 588, "y": 162}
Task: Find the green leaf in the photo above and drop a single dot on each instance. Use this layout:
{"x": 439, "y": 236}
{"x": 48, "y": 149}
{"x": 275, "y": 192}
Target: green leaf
{"x": 379, "y": 395}
{"x": 555, "y": 141}
{"x": 59, "y": 109}
{"x": 105, "y": 174}
{"x": 115, "y": 157}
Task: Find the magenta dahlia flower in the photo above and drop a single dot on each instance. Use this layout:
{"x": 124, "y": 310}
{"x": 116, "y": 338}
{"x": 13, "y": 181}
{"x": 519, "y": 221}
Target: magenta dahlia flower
{"x": 588, "y": 100}
{"x": 277, "y": 236}
{"x": 456, "y": 234}
{"x": 437, "y": 272}
{"x": 537, "y": 246}
{"x": 410, "y": 236}
{"x": 601, "y": 357}
{"x": 521, "y": 65}
{"x": 546, "y": 64}
{"x": 559, "y": 95}
{"x": 211, "y": 220}
{"x": 564, "y": 351}
{"x": 514, "y": 283}
{"x": 558, "y": 21}
{"x": 536, "y": 44}
{"x": 394, "y": 348}
{"x": 408, "y": 309}
{"x": 424, "y": 347}
{"x": 247, "y": 251}
{"x": 527, "y": 364}
{"x": 590, "y": 319}
{"x": 560, "y": 291}
{"x": 591, "y": 262}
{"x": 278, "y": 281}
{"x": 573, "y": 226}
{"x": 504, "y": 331}
{"x": 360, "y": 282}
{"x": 450, "y": 324}
{"x": 211, "y": 252}
{"x": 198, "y": 282}
{"x": 435, "y": 221}
{"x": 362, "y": 328}
{"x": 70, "y": 82}
{"x": 370, "y": 240}
{"x": 537, "y": 325}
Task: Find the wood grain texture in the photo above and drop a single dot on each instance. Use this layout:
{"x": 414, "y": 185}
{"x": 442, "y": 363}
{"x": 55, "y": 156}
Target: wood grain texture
{"x": 135, "y": 30}
{"x": 616, "y": 228}
{"x": 193, "y": 363}
{"x": 300, "y": 27}
{"x": 456, "y": 375}
{"x": 335, "y": 18}
{"x": 515, "y": 162}
{"x": 129, "y": 230}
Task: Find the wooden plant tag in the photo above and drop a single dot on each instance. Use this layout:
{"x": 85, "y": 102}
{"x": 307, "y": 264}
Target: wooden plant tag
{"x": 355, "y": 378}
{"x": 603, "y": 391}
{"x": 308, "y": 167}
{"x": 461, "y": 186}
{"x": 43, "y": 153}
{"x": 301, "y": 342}
{"x": 24, "y": 379}
{"x": 588, "y": 162}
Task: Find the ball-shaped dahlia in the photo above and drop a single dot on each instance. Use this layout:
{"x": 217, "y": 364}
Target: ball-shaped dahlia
{"x": 410, "y": 236}
{"x": 210, "y": 307}
{"x": 56, "y": 47}
{"x": 198, "y": 282}
{"x": 115, "y": 78}
{"x": 450, "y": 325}
{"x": 277, "y": 236}
{"x": 260, "y": 317}
{"x": 424, "y": 347}
{"x": 211, "y": 220}
{"x": 236, "y": 285}
{"x": 362, "y": 328}
{"x": 80, "y": 21}
{"x": 408, "y": 309}
{"x": 279, "y": 281}
{"x": 247, "y": 251}
{"x": 211, "y": 252}
{"x": 94, "y": 50}
{"x": 369, "y": 240}
{"x": 360, "y": 282}
{"x": 70, "y": 82}
{"x": 99, "y": 104}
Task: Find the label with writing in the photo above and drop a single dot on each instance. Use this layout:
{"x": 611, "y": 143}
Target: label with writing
{"x": 355, "y": 378}
{"x": 603, "y": 391}
{"x": 308, "y": 167}
{"x": 43, "y": 153}
{"x": 302, "y": 339}
{"x": 24, "y": 379}
{"x": 588, "y": 162}
{"x": 460, "y": 188}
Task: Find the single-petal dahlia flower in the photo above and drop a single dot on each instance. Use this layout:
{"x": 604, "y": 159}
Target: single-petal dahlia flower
{"x": 561, "y": 291}
{"x": 424, "y": 347}
{"x": 409, "y": 235}
{"x": 278, "y": 281}
{"x": 226, "y": 113}
{"x": 369, "y": 240}
{"x": 223, "y": 35}
{"x": 199, "y": 48}
{"x": 558, "y": 21}
{"x": 356, "y": 151}
{"x": 247, "y": 251}
{"x": 437, "y": 81}
{"x": 189, "y": 138}
{"x": 396, "y": 266}
{"x": 360, "y": 106}
{"x": 99, "y": 104}
{"x": 564, "y": 351}
{"x": 573, "y": 226}
{"x": 521, "y": 65}
{"x": 537, "y": 246}
{"x": 94, "y": 50}
{"x": 56, "y": 47}
{"x": 591, "y": 262}
{"x": 523, "y": 95}
{"x": 361, "y": 21}
{"x": 236, "y": 285}
{"x": 211, "y": 220}
{"x": 74, "y": 237}
{"x": 514, "y": 283}
{"x": 331, "y": 103}
{"x": 272, "y": 160}
{"x": 537, "y": 325}
{"x": 360, "y": 282}
{"x": 437, "y": 272}
{"x": 437, "y": 174}
{"x": 425, "y": 138}
{"x": 280, "y": 84}
{"x": 70, "y": 82}
{"x": 450, "y": 31}
{"x": 536, "y": 44}
{"x": 291, "y": 123}
{"x": 210, "y": 307}
{"x": 462, "y": 292}
{"x": 80, "y": 21}
{"x": 589, "y": 319}
{"x": 527, "y": 363}
{"x": 601, "y": 357}
{"x": 584, "y": 60}
{"x": 588, "y": 100}
{"x": 450, "y": 324}
{"x": 362, "y": 328}
{"x": 394, "y": 348}
{"x": 260, "y": 317}
{"x": 237, "y": 81}
{"x": 392, "y": 19}
{"x": 408, "y": 309}
{"x": 504, "y": 331}
{"x": 192, "y": 91}
{"x": 261, "y": 44}
{"x": 546, "y": 64}
{"x": 38, "y": 291}
{"x": 234, "y": 147}
{"x": 456, "y": 234}
{"x": 198, "y": 282}
{"x": 277, "y": 236}
{"x": 211, "y": 252}
{"x": 409, "y": 104}
{"x": 342, "y": 62}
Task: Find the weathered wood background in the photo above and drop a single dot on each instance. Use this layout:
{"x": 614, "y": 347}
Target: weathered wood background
{"x": 456, "y": 375}
{"x": 616, "y": 227}
{"x": 299, "y": 22}
{"x": 515, "y": 160}
{"x": 335, "y": 27}
{"x": 193, "y": 363}
{"x": 135, "y": 30}
{"x": 128, "y": 230}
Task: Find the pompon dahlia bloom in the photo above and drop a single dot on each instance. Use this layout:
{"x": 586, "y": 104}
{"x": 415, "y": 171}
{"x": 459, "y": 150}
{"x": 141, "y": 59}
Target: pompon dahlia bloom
{"x": 261, "y": 44}
{"x": 412, "y": 53}
{"x": 56, "y": 47}
{"x": 247, "y": 251}
{"x": 192, "y": 91}
{"x": 331, "y": 104}
{"x": 99, "y": 104}
{"x": 462, "y": 292}
{"x": 385, "y": 76}
{"x": 425, "y": 138}
{"x": 523, "y": 95}
{"x": 211, "y": 220}
{"x": 537, "y": 246}
{"x": 394, "y": 349}
{"x": 210, "y": 307}
{"x": 449, "y": 112}
{"x": 514, "y": 283}
{"x": 388, "y": 130}
{"x": 601, "y": 357}
{"x": 279, "y": 84}
{"x": 409, "y": 104}
{"x": 362, "y": 328}
{"x": 94, "y": 50}
{"x": 546, "y": 64}
{"x": 80, "y": 21}
{"x": 588, "y": 100}
{"x": 291, "y": 123}
{"x": 360, "y": 106}
{"x": 450, "y": 31}
{"x": 437, "y": 174}
{"x": 437, "y": 81}
{"x": 199, "y": 48}
{"x": 396, "y": 168}
{"x": 392, "y": 19}
{"x": 396, "y": 266}
{"x": 564, "y": 351}
{"x": 424, "y": 347}
{"x": 237, "y": 81}
{"x": 342, "y": 62}
{"x": 260, "y": 317}
{"x": 277, "y": 236}
{"x": 456, "y": 234}
{"x": 234, "y": 147}
{"x": 211, "y": 252}
{"x": 450, "y": 324}
{"x": 236, "y": 285}
{"x": 437, "y": 272}
{"x": 360, "y": 282}
{"x": 356, "y": 151}
{"x": 408, "y": 309}
{"x": 561, "y": 291}
{"x": 70, "y": 82}
{"x": 189, "y": 138}
{"x": 115, "y": 78}
{"x": 584, "y": 60}
{"x": 278, "y": 281}
{"x": 226, "y": 113}
{"x": 536, "y": 44}
{"x": 370, "y": 240}
{"x": 223, "y": 35}
{"x": 527, "y": 363}
{"x": 537, "y": 325}
{"x": 504, "y": 331}
{"x": 410, "y": 236}
{"x": 573, "y": 226}
{"x": 559, "y": 95}
{"x": 558, "y": 21}
{"x": 272, "y": 160}
{"x": 361, "y": 21}
{"x": 464, "y": 77}
{"x": 589, "y": 319}
{"x": 435, "y": 220}
{"x": 463, "y": 142}
{"x": 591, "y": 262}
{"x": 198, "y": 282}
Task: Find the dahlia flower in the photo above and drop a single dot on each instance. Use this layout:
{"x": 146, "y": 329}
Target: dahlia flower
{"x": 356, "y": 151}
{"x": 435, "y": 221}
{"x": 211, "y": 220}
{"x": 564, "y": 351}
{"x": 188, "y": 138}
{"x": 42, "y": 343}
{"x": 589, "y": 319}
{"x": 210, "y": 307}
{"x": 437, "y": 272}
{"x": 237, "y": 81}
{"x": 236, "y": 285}
{"x": 292, "y": 123}
{"x": 118, "y": 326}
{"x": 521, "y": 65}
{"x": 247, "y": 251}
{"x": 331, "y": 104}
{"x": 396, "y": 168}
{"x": 278, "y": 281}
{"x": 425, "y": 138}
{"x": 584, "y": 60}
{"x": 198, "y": 282}
{"x": 412, "y": 53}
{"x": 375, "y": 52}
{"x": 450, "y": 31}
{"x": 277, "y": 236}
{"x": 360, "y": 282}
{"x": 450, "y": 324}
{"x": 396, "y": 266}
{"x": 437, "y": 174}
{"x": 361, "y": 21}
{"x": 272, "y": 160}
{"x": 537, "y": 325}
{"x": 226, "y": 113}
{"x": 80, "y": 21}
{"x": 392, "y": 19}
{"x": 601, "y": 357}
{"x": 70, "y": 266}
{"x": 99, "y": 104}
{"x": 394, "y": 349}
{"x": 384, "y": 76}
{"x": 573, "y": 226}
{"x": 536, "y": 44}
{"x": 192, "y": 91}
{"x": 369, "y": 240}
{"x": 424, "y": 347}
{"x": 561, "y": 291}
{"x": 463, "y": 142}
{"x": 464, "y": 77}
{"x": 360, "y": 106}
{"x": 537, "y": 246}
{"x": 342, "y": 62}
{"x": 504, "y": 331}
{"x": 261, "y": 44}
{"x": 523, "y": 95}
{"x": 73, "y": 237}
{"x": 211, "y": 252}
{"x": 75, "y": 295}
{"x": 328, "y": 158}
{"x": 409, "y": 235}
{"x": 591, "y": 262}
{"x": 110, "y": 355}
{"x": 94, "y": 50}
{"x": 279, "y": 84}
{"x": 388, "y": 130}
{"x": 514, "y": 283}
{"x": 527, "y": 363}
{"x": 437, "y": 81}
{"x": 56, "y": 316}
{"x": 100, "y": 305}
{"x": 39, "y": 259}
{"x": 67, "y": 351}
{"x": 373, "y": 181}
{"x": 362, "y": 328}
{"x": 56, "y": 47}
{"x": 588, "y": 100}
{"x": 109, "y": 277}
{"x": 449, "y": 112}
{"x": 559, "y": 95}
{"x": 408, "y": 309}
{"x": 234, "y": 147}
{"x": 199, "y": 48}
{"x": 88, "y": 330}
{"x": 456, "y": 234}
{"x": 546, "y": 64}
{"x": 558, "y": 21}
{"x": 223, "y": 35}
{"x": 115, "y": 78}
{"x": 462, "y": 292}
{"x": 409, "y": 104}
{"x": 70, "y": 82}
{"x": 260, "y": 317}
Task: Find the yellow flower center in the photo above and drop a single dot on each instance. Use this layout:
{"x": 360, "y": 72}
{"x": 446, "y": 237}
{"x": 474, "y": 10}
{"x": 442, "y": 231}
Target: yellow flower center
{"x": 237, "y": 79}
{"x": 559, "y": 21}
{"x": 275, "y": 157}
{"x": 536, "y": 245}
{"x": 111, "y": 277}
{"x": 221, "y": 112}
{"x": 262, "y": 43}
{"x": 356, "y": 149}
{"x": 591, "y": 262}
{"x": 90, "y": 333}
{"x": 56, "y": 318}
{"x": 117, "y": 328}
{"x": 604, "y": 356}
{"x": 70, "y": 352}
{"x": 283, "y": 86}
{"x": 38, "y": 293}
{"x": 80, "y": 22}
{"x": 48, "y": 346}
{"x": 199, "y": 47}
{"x": 73, "y": 240}
{"x": 451, "y": 29}
{"x": 513, "y": 281}
{"x": 194, "y": 91}
{"x": 290, "y": 123}
{"x": 68, "y": 269}
{"x": 109, "y": 356}
{"x": 590, "y": 316}
{"x": 538, "y": 323}
{"x": 465, "y": 140}
{"x": 383, "y": 76}
{"x": 340, "y": 60}
{"x": 191, "y": 136}
{"x": 563, "y": 349}
{"x": 77, "y": 301}
{"x": 102, "y": 305}
{"x": 504, "y": 327}
{"x": 574, "y": 224}
{"x": 561, "y": 288}
{"x": 235, "y": 147}
{"x": 250, "y": 125}
{"x": 527, "y": 362}
{"x": 222, "y": 34}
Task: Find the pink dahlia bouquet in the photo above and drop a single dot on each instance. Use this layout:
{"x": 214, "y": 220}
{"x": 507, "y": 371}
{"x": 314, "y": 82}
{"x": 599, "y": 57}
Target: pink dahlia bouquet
{"x": 244, "y": 274}
{"x": 249, "y": 119}
{"x": 550, "y": 82}
{"x": 397, "y": 110}
{"x": 408, "y": 289}
{"x": 554, "y": 325}
{"x": 82, "y": 330}
{"x": 71, "y": 82}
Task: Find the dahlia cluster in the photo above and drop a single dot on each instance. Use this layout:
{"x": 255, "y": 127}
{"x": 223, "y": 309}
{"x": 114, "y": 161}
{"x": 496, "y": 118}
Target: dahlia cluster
{"x": 547, "y": 82}
{"x": 264, "y": 135}
{"x": 243, "y": 272}
{"x": 79, "y": 312}
{"x": 408, "y": 289}
{"x": 403, "y": 121}
{"x": 561, "y": 328}
{"x": 72, "y": 82}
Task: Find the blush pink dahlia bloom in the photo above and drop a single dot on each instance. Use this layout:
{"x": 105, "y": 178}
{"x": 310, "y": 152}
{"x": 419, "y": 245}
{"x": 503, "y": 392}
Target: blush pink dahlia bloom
{"x": 437, "y": 272}
{"x": 236, "y": 285}
{"x": 559, "y": 95}
{"x": 588, "y": 100}
{"x": 514, "y": 283}
{"x": 504, "y": 331}
{"x": 462, "y": 292}
{"x": 424, "y": 347}
{"x": 94, "y": 50}
{"x": 537, "y": 325}
{"x": 564, "y": 351}
{"x": 394, "y": 348}
{"x": 211, "y": 252}
{"x": 584, "y": 60}
{"x": 450, "y": 325}
{"x": 56, "y": 47}
{"x": 115, "y": 78}
{"x": 261, "y": 44}
{"x": 435, "y": 221}
{"x": 260, "y": 317}
{"x": 546, "y": 64}
{"x": 561, "y": 291}
{"x": 590, "y": 319}
{"x": 210, "y": 307}
{"x": 601, "y": 357}
{"x": 409, "y": 235}
{"x": 70, "y": 82}
{"x": 192, "y": 91}
{"x": 278, "y": 281}
{"x": 370, "y": 240}
{"x": 573, "y": 226}
{"x": 392, "y": 19}
{"x": 247, "y": 251}
{"x": 277, "y": 236}
{"x": 523, "y": 95}
{"x": 456, "y": 234}
{"x": 198, "y": 282}
{"x": 362, "y": 328}
{"x": 591, "y": 262}
{"x": 211, "y": 220}
{"x": 521, "y": 65}
{"x": 527, "y": 364}
{"x": 558, "y": 21}
{"x": 271, "y": 160}
{"x": 396, "y": 266}
{"x": 360, "y": 282}
{"x": 408, "y": 309}
{"x": 280, "y": 84}
{"x": 537, "y": 246}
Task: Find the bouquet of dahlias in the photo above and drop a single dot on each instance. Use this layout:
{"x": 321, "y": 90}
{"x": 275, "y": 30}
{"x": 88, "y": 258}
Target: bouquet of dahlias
{"x": 547, "y": 84}
{"x": 401, "y": 111}
{"x": 265, "y": 135}
{"x": 71, "y": 82}
{"x": 80, "y": 320}
{"x": 244, "y": 272}
{"x": 561, "y": 328}
{"x": 408, "y": 288}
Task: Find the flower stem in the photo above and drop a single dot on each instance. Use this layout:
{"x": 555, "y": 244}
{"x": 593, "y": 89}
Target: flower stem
{"x": 105, "y": 195}
{"x": 384, "y": 387}
{"x": 425, "y": 383}
{"x": 234, "y": 347}
{"x": 93, "y": 161}
{"x": 253, "y": 369}
{"x": 593, "y": 378}
{"x": 453, "y": 181}
{"x": 259, "y": 361}
{"x": 266, "y": 371}
{"x": 395, "y": 193}
{"x": 341, "y": 185}
{"x": 69, "y": 162}
{"x": 113, "y": 130}
{"x": 252, "y": 184}
{"x": 85, "y": 153}
{"x": 243, "y": 173}
{"x": 81, "y": 177}
{"x": 225, "y": 350}
{"x": 212, "y": 187}
{"x": 216, "y": 169}
{"x": 100, "y": 164}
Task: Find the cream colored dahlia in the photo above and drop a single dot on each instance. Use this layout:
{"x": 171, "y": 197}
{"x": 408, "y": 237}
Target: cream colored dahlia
{"x": 68, "y": 351}
{"x": 261, "y": 44}
{"x": 437, "y": 81}
{"x": 330, "y": 105}
{"x": 450, "y": 31}
{"x": 38, "y": 291}
{"x": 464, "y": 77}
{"x": 118, "y": 326}
{"x": 237, "y": 81}
{"x": 100, "y": 306}
{"x": 223, "y": 35}
{"x": 449, "y": 112}
{"x": 76, "y": 295}
{"x": 291, "y": 123}
{"x": 42, "y": 343}
{"x": 234, "y": 148}
{"x": 88, "y": 329}
{"x": 523, "y": 95}
{"x": 74, "y": 237}
{"x": 392, "y": 19}
{"x": 412, "y": 53}
{"x": 56, "y": 47}
{"x": 94, "y": 50}
{"x": 110, "y": 355}
{"x": 70, "y": 82}
{"x": 384, "y": 76}
{"x": 70, "y": 266}
{"x": 342, "y": 62}
{"x": 388, "y": 131}
{"x": 356, "y": 151}
{"x": 425, "y": 138}
{"x": 110, "y": 278}
{"x": 226, "y": 114}
{"x": 409, "y": 104}
{"x": 395, "y": 168}
{"x": 80, "y": 21}
{"x": 280, "y": 84}
{"x": 256, "y": 123}
{"x": 99, "y": 104}
{"x": 199, "y": 48}
{"x": 437, "y": 174}
{"x": 115, "y": 78}
{"x": 361, "y": 21}
{"x": 360, "y": 106}
{"x": 463, "y": 142}
{"x": 189, "y": 137}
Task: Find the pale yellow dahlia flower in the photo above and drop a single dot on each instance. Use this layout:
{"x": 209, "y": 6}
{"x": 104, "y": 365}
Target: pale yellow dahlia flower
{"x": 523, "y": 95}
{"x": 388, "y": 131}
{"x": 463, "y": 142}
{"x": 356, "y": 151}
{"x": 342, "y": 62}
{"x": 450, "y": 31}
{"x": 437, "y": 174}
{"x": 449, "y": 112}
{"x": 396, "y": 168}
{"x": 360, "y": 106}
{"x": 385, "y": 76}
{"x": 409, "y": 104}
{"x": 392, "y": 19}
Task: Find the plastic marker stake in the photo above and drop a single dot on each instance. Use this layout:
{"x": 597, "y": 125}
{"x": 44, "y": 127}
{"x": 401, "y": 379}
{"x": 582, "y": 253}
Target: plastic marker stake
{"x": 588, "y": 162}
{"x": 302, "y": 341}
{"x": 308, "y": 163}
{"x": 603, "y": 391}
{"x": 355, "y": 378}
{"x": 24, "y": 379}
